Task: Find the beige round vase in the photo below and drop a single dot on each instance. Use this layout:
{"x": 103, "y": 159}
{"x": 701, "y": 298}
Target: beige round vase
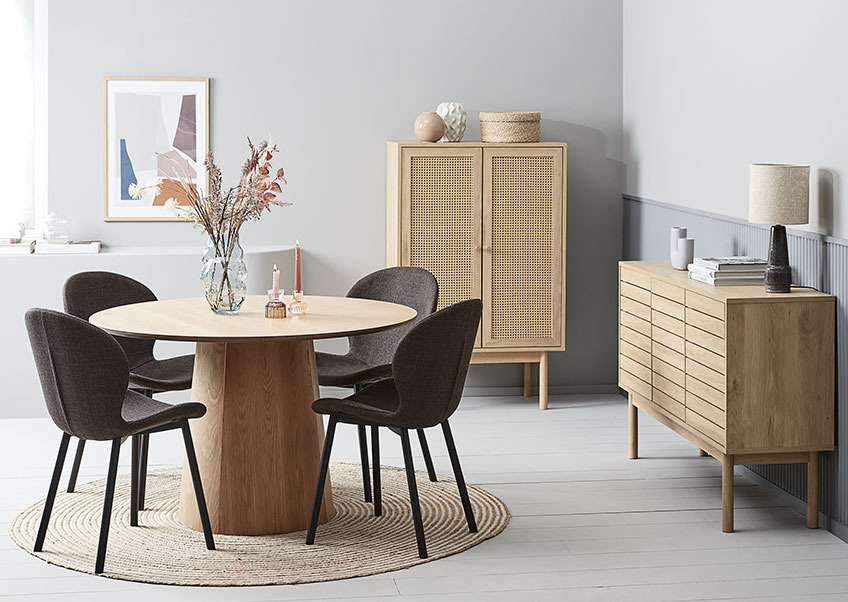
{"x": 429, "y": 127}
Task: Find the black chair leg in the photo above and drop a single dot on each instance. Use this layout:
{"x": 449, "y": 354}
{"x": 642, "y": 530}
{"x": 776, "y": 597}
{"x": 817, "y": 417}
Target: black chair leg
{"x": 72, "y": 481}
{"x": 198, "y": 486}
{"x": 460, "y": 480}
{"x": 135, "y": 444}
{"x": 51, "y": 492}
{"x": 107, "y": 505}
{"x": 142, "y": 470}
{"x": 413, "y": 493}
{"x": 322, "y": 477}
{"x": 428, "y": 460}
{"x": 375, "y": 460}
{"x": 363, "y": 457}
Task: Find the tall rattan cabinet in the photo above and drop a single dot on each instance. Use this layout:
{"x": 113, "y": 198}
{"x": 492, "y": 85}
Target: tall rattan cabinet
{"x": 488, "y": 220}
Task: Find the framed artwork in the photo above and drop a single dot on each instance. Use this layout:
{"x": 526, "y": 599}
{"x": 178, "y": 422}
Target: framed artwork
{"x": 156, "y": 132}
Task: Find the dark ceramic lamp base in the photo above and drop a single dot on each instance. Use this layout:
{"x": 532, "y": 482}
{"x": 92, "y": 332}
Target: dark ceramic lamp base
{"x": 778, "y": 273}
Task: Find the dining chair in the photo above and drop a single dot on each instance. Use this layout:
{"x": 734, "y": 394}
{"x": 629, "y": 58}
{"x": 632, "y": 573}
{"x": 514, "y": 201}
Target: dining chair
{"x": 428, "y": 374}
{"x": 84, "y": 376}
{"x": 85, "y": 294}
{"x": 370, "y": 355}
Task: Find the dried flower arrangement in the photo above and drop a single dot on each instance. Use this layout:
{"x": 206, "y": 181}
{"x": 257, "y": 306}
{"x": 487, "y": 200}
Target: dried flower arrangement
{"x": 221, "y": 213}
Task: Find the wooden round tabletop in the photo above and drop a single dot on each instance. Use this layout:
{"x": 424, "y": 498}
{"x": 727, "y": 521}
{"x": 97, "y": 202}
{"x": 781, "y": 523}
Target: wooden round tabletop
{"x": 192, "y": 320}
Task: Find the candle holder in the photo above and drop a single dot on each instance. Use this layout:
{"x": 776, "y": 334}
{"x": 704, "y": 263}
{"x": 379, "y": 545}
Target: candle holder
{"x": 298, "y": 306}
{"x": 275, "y": 309}
{"x": 279, "y": 296}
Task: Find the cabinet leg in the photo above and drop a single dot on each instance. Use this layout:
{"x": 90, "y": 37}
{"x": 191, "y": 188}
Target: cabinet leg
{"x": 813, "y": 491}
{"x": 727, "y": 493}
{"x": 633, "y": 429}
{"x": 702, "y": 453}
{"x": 543, "y": 381}
{"x": 528, "y": 388}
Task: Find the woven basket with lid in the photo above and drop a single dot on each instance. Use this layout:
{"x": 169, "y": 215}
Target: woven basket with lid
{"x": 510, "y": 127}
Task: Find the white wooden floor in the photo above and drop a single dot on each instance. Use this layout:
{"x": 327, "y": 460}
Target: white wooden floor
{"x": 588, "y": 524}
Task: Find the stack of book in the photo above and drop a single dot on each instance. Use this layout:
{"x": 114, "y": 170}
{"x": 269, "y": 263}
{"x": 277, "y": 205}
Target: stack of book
{"x": 72, "y": 247}
{"x": 728, "y": 271}
{"x": 22, "y": 247}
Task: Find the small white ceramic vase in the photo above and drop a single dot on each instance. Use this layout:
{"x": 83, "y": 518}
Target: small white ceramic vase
{"x": 685, "y": 254}
{"x": 676, "y": 234}
{"x": 454, "y": 116}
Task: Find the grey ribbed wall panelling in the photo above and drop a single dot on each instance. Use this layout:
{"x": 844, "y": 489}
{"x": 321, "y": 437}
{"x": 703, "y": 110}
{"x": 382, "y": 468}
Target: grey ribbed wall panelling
{"x": 817, "y": 260}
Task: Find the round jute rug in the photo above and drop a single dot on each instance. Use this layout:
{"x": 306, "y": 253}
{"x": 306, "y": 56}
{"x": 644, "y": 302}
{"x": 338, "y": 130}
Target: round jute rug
{"x": 355, "y": 543}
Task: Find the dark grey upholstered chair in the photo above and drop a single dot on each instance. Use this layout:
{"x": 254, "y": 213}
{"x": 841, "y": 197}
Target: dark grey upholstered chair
{"x": 370, "y": 355}
{"x": 84, "y": 375}
{"x": 429, "y": 370}
{"x": 87, "y": 293}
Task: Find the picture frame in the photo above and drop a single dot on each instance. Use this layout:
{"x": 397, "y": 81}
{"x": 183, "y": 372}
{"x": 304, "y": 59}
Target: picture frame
{"x": 154, "y": 129}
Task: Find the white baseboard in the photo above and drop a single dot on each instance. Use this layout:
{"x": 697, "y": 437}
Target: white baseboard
{"x": 552, "y": 390}
{"x": 505, "y": 391}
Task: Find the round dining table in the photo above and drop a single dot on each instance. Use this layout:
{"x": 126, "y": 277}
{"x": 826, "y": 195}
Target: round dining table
{"x": 259, "y": 444}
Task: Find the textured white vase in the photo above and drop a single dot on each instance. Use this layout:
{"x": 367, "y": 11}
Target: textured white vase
{"x": 685, "y": 254}
{"x": 454, "y": 116}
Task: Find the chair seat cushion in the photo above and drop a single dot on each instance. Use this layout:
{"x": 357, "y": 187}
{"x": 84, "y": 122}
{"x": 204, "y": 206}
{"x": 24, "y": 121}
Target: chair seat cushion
{"x": 142, "y": 413}
{"x": 347, "y": 371}
{"x": 375, "y": 404}
{"x": 172, "y": 374}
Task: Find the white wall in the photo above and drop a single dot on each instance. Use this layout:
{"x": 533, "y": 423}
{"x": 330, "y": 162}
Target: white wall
{"x": 710, "y": 87}
{"x": 333, "y": 81}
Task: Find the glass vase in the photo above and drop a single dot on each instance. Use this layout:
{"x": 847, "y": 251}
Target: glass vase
{"x": 223, "y": 275}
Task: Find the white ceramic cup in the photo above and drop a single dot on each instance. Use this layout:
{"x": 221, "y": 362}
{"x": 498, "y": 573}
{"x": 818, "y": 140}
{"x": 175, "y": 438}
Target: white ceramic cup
{"x": 685, "y": 254}
{"x": 676, "y": 234}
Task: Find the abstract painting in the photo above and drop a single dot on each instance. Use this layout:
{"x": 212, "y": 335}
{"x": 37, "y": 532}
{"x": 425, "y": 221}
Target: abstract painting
{"x": 157, "y": 134}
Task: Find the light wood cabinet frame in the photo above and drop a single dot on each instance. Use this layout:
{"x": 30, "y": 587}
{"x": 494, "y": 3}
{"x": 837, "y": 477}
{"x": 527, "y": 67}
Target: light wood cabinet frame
{"x": 524, "y": 347}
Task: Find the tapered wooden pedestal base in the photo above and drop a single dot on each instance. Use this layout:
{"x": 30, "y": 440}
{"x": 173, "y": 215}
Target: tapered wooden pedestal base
{"x": 259, "y": 444}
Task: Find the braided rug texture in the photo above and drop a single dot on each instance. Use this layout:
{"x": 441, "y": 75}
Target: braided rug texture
{"x": 353, "y": 544}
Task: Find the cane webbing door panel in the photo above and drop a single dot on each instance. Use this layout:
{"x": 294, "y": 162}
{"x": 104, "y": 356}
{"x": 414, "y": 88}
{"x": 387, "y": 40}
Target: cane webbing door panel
{"x": 441, "y": 204}
{"x": 522, "y": 247}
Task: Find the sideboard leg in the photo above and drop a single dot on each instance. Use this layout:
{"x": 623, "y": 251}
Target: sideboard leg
{"x": 702, "y": 453}
{"x": 543, "y": 381}
{"x": 528, "y": 388}
{"x": 633, "y": 427}
{"x": 727, "y": 493}
{"x": 813, "y": 491}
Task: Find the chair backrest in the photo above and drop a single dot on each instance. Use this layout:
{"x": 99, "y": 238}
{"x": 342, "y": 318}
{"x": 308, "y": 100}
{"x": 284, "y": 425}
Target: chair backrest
{"x": 431, "y": 363}
{"x": 83, "y": 373}
{"x": 414, "y": 287}
{"x": 87, "y": 293}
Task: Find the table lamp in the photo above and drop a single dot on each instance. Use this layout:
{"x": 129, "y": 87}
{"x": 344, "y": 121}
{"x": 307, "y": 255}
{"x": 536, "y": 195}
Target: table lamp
{"x": 779, "y": 194}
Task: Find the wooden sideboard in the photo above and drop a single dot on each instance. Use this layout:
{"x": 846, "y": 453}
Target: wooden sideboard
{"x": 488, "y": 220}
{"x": 745, "y": 375}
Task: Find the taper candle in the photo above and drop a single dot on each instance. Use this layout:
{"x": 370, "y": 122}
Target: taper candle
{"x": 276, "y": 286}
{"x": 297, "y": 266}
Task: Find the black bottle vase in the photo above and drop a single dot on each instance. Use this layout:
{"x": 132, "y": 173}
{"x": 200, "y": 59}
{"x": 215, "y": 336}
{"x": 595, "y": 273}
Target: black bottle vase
{"x": 778, "y": 272}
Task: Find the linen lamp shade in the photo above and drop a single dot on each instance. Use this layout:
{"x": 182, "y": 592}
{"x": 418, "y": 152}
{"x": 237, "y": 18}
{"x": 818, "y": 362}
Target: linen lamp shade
{"x": 779, "y": 194}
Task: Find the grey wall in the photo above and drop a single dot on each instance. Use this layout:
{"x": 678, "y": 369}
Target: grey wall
{"x": 169, "y": 271}
{"x": 710, "y": 87}
{"x": 332, "y": 81}
{"x": 817, "y": 261}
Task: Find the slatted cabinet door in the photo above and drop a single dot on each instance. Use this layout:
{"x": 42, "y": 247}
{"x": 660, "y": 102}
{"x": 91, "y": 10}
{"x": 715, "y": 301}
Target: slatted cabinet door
{"x": 522, "y": 247}
{"x": 441, "y": 205}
